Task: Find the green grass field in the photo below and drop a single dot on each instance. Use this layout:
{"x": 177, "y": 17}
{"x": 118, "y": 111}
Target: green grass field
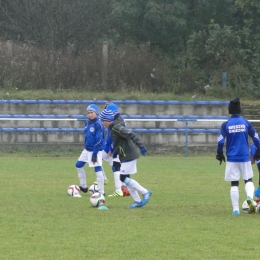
{"x": 188, "y": 216}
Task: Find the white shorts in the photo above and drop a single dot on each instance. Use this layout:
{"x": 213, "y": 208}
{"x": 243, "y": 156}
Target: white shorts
{"x": 128, "y": 167}
{"x": 234, "y": 169}
{"x": 86, "y": 156}
{"x": 109, "y": 159}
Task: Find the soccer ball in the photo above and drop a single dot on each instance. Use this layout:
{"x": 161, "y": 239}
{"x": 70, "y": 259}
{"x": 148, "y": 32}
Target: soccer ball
{"x": 245, "y": 206}
{"x": 93, "y": 189}
{"x": 97, "y": 199}
{"x": 125, "y": 190}
{"x": 74, "y": 191}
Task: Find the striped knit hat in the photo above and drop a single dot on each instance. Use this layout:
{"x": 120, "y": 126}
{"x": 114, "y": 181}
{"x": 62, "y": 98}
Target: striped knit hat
{"x": 107, "y": 115}
{"x": 93, "y": 107}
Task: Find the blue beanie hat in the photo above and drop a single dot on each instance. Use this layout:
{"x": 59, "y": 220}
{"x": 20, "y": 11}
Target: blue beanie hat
{"x": 107, "y": 115}
{"x": 113, "y": 108}
{"x": 92, "y": 107}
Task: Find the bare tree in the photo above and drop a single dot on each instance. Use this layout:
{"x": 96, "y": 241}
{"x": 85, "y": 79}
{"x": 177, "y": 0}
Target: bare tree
{"x": 55, "y": 23}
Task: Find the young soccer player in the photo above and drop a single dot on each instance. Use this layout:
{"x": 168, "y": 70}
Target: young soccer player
{"x": 125, "y": 142}
{"x": 236, "y": 132}
{"x": 120, "y": 188}
{"x": 92, "y": 154}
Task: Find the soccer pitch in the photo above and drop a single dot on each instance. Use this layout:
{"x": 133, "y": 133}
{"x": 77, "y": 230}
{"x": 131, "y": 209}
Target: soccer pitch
{"x": 187, "y": 217}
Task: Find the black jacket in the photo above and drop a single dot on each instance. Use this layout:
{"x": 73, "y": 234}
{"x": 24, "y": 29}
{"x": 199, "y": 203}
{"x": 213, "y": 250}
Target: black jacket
{"x": 124, "y": 141}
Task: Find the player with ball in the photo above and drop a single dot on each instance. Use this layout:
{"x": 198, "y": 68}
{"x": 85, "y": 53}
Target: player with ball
{"x": 236, "y": 131}
{"x": 124, "y": 143}
{"x": 94, "y": 144}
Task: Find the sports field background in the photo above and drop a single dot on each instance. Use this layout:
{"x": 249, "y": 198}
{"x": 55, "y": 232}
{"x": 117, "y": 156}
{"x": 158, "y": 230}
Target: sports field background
{"x": 189, "y": 215}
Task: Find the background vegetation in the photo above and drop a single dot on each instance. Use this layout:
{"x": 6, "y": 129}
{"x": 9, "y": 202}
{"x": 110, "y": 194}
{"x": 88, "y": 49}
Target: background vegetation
{"x": 155, "y": 46}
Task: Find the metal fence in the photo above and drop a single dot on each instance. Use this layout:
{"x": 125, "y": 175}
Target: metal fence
{"x": 160, "y": 135}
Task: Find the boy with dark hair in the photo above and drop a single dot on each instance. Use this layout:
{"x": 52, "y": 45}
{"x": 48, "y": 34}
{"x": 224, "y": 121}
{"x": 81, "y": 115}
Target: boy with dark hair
{"x": 236, "y": 132}
{"x": 124, "y": 143}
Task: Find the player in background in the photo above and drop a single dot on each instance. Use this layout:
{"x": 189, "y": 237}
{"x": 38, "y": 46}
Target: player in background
{"x": 255, "y": 159}
{"x": 92, "y": 154}
{"x": 120, "y": 188}
{"x": 236, "y": 132}
{"x": 124, "y": 143}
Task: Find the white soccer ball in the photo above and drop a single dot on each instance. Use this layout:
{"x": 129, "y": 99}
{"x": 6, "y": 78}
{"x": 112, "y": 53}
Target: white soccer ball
{"x": 74, "y": 191}
{"x": 97, "y": 199}
{"x": 245, "y": 206}
{"x": 93, "y": 189}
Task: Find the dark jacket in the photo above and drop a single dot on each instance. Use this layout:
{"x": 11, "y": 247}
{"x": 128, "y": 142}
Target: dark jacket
{"x": 124, "y": 141}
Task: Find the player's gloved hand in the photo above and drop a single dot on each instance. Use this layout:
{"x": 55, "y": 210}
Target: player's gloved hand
{"x": 143, "y": 150}
{"x": 94, "y": 157}
{"x": 116, "y": 166}
{"x": 220, "y": 157}
{"x": 257, "y": 155}
{"x": 257, "y": 192}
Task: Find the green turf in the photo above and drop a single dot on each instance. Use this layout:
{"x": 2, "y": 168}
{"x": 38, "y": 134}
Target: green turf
{"x": 188, "y": 216}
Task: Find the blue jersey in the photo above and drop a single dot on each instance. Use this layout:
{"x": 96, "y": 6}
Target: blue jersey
{"x": 109, "y": 143}
{"x": 236, "y": 132}
{"x": 94, "y": 135}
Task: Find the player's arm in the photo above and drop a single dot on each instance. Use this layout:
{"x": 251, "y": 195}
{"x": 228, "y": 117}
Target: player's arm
{"x": 254, "y": 135}
{"x": 128, "y": 134}
{"x": 221, "y": 140}
{"x": 252, "y": 160}
{"x": 98, "y": 141}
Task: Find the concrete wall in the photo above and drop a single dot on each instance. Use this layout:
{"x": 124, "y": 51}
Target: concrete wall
{"x": 130, "y": 107}
{"x": 160, "y": 141}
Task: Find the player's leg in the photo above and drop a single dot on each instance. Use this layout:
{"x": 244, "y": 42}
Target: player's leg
{"x": 234, "y": 195}
{"x": 116, "y": 171}
{"x": 105, "y": 157}
{"x": 83, "y": 158}
{"x": 98, "y": 170}
{"x": 100, "y": 179}
{"x": 128, "y": 168}
{"x": 104, "y": 176}
{"x": 232, "y": 174}
{"x": 257, "y": 191}
{"x": 249, "y": 188}
{"x": 247, "y": 174}
{"x": 255, "y": 159}
{"x": 133, "y": 192}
